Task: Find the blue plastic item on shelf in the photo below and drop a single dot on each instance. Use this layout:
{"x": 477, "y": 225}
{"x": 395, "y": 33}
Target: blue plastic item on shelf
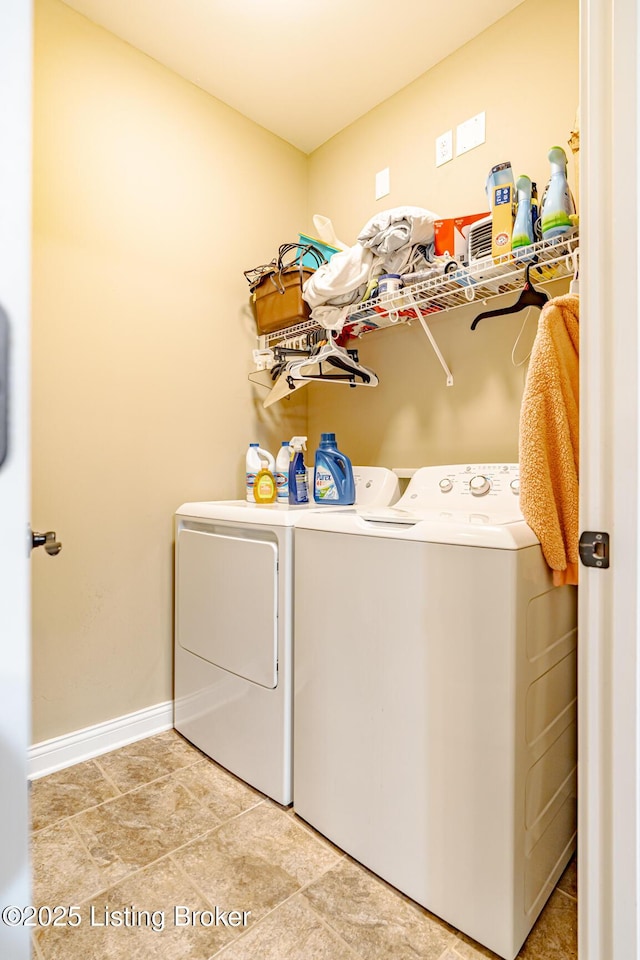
{"x": 333, "y": 481}
{"x": 325, "y": 249}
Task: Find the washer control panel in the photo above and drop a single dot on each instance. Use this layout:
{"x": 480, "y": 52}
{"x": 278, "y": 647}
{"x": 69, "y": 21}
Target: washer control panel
{"x": 460, "y": 485}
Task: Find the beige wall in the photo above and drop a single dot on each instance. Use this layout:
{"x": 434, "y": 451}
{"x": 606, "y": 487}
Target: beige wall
{"x": 150, "y": 199}
{"x": 523, "y": 72}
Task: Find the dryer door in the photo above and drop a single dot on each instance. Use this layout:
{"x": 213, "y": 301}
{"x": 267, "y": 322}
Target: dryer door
{"x": 227, "y": 606}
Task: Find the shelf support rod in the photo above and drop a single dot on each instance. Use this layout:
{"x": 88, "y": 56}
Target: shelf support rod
{"x": 425, "y": 327}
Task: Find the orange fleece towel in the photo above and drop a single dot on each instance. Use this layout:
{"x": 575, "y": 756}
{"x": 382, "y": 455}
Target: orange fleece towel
{"x": 549, "y": 438}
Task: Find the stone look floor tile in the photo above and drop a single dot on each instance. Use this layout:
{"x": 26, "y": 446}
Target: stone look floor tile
{"x": 255, "y": 861}
{"x": 161, "y": 888}
{"x": 568, "y": 882}
{"x": 221, "y": 793}
{"x": 36, "y": 953}
{"x": 468, "y": 949}
{"x": 293, "y": 931}
{"x": 147, "y": 760}
{"x": 238, "y": 850}
{"x": 143, "y": 825}
{"x": 63, "y": 872}
{"x": 377, "y": 922}
{"x": 67, "y": 792}
{"x": 553, "y": 937}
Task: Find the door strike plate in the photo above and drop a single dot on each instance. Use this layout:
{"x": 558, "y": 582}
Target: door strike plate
{"x": 594, "y": 549}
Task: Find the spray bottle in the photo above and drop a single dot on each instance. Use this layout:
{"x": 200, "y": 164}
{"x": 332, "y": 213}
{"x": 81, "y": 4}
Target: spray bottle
{"x": 257, "y": 459}
{"x": 535, "y": 211}
{"x": 282, "y": 472}
{"x": 298, "y": 482}
{"x": 523, "y": 226}
{"x": 557, "y": 203}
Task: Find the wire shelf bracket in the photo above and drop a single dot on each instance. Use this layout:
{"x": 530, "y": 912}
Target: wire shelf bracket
{"x": 436, "y": 348}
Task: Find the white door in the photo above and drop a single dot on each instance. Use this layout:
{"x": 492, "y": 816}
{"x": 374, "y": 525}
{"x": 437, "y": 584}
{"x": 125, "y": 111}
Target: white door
{"x": 609, "y": 796}
{"x": 15, "y": 229}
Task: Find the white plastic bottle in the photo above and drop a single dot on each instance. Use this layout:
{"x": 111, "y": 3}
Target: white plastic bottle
{"x": 282, "y": 472}
{"x": 257, "y": 460}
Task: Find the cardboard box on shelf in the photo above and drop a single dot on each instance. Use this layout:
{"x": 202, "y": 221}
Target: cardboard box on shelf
{"x": 452, "y": 234}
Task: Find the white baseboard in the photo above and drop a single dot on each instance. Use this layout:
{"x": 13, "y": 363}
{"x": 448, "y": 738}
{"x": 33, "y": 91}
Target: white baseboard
{"x": 51, "y": 755}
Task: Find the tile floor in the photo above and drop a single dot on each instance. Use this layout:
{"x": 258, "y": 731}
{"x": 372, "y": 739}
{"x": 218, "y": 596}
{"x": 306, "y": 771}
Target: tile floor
{"x": 156, "y": 824}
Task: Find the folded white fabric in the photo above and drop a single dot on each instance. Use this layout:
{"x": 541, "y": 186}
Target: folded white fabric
{"x": 393, "y": 241}
{"x": 390, "y": 230}
{"x": 331, "y": 318}
{"x": 342, "y": 280}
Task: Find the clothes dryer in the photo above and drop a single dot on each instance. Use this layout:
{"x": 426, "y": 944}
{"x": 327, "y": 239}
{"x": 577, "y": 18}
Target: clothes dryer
{"x": 234, "y": 630}
{"x": 435, "y": 699}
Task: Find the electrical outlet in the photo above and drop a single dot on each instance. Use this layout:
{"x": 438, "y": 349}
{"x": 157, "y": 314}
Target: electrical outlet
{"x": 470, "y": 134}
{"x": 444, "y": 148}
{"x": 383, "y": 187}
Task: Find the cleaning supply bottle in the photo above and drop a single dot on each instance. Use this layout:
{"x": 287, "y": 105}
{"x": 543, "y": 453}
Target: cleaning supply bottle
{"x": 557, "y": 203}
{"x": 257, "y": 458}
{"x": 282, "y": 472}
{"x": 523, "y": 226}
{"x": 333, "y": 481}
{"x": 298, "y": 483}
{"x": 535, "y": 211}
{"x": 265, "y": 490}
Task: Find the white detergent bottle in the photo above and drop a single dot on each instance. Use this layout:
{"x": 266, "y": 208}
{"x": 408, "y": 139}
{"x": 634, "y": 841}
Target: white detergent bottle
{"x": 257, "y": 459}
{"x": 282, "y": 472}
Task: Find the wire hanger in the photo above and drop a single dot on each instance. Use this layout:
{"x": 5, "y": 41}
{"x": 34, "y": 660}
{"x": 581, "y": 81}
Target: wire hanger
{"x": 314, "y": 366}
{"x": 529, "y": 297}
{"x": 343, "y": 367}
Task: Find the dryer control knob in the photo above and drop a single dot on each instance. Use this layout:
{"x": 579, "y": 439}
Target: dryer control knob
{"x": 446, "y": 485}
{"x": 479, "y": 486}
{"x": 515, "y": 486}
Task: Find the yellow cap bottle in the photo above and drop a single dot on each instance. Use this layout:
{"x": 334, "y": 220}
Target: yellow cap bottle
{"x": 265, "y": 490}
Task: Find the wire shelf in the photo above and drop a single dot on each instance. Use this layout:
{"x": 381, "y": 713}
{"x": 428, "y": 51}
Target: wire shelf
{"x": 482, "y": 280}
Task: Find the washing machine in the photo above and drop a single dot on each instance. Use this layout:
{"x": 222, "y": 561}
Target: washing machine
{"x": 234, "y": 627}
{"x": 435, "y": 699}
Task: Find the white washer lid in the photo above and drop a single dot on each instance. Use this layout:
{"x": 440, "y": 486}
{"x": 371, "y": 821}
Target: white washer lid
{"x": 502, "y": 532}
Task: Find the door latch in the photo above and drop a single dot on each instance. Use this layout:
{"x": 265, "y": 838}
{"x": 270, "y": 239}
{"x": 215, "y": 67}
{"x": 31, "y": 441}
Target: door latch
{"x": 48, "y": 541}
{"x": 594, "y": 549}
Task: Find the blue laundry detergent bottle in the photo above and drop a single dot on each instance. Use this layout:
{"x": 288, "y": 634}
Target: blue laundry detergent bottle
{"x": 332, "y": 474}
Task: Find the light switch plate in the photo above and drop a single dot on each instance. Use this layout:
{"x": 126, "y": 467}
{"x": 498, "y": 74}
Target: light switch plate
{"x": 470, "y": 134}
{"x": 444, "y": 148}
{"x": 383, "y": 188}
